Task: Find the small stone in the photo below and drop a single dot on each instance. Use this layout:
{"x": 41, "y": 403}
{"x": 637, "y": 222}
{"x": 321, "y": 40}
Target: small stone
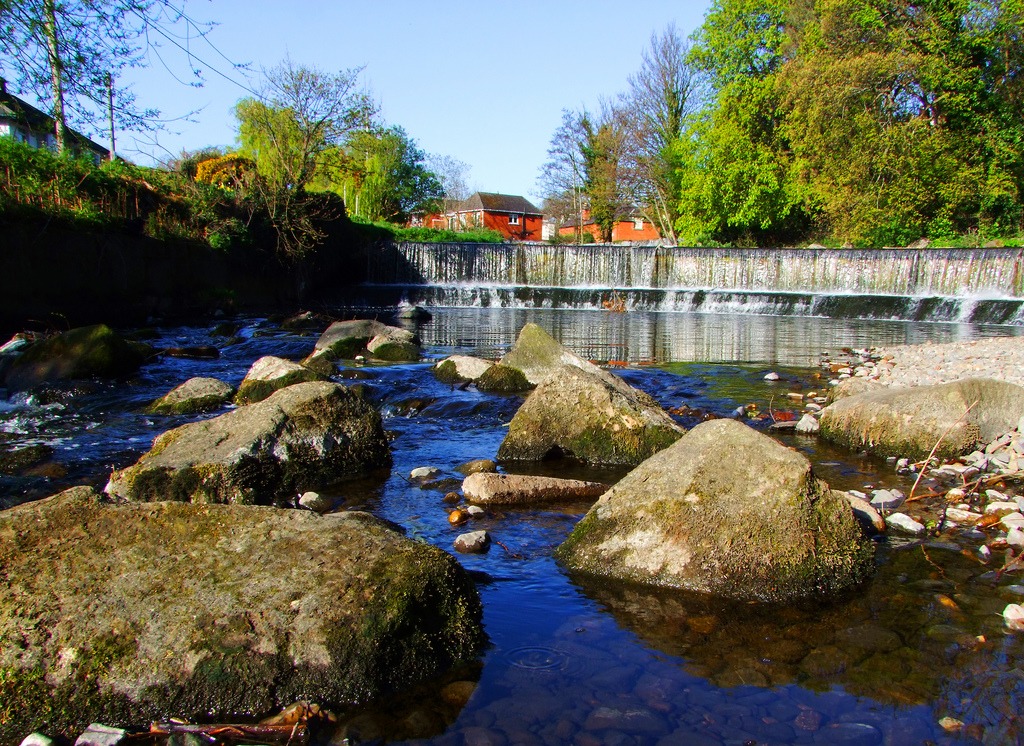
{"x": 795, "y": 396}
{"x": 452, "y": 497}
{"x": 101, "y": 735}
{"x": 475, "y": 542}
{"x": 772, "y": 376}
{"x": 475, "y": 511}
{"x": 951, "y": 725}
{"x": 1015, "y": 537}
{"x": 457, "y": 517}
{"x": 994, "y": 496}
{"x": 955, "y": 494}
{"x": 316, "y": 502}
{"x": 1012, "y": 521}
{"x": 424, "y": 473}
{"x": 1001, "y": 508}
{"x": 37, "y": 739}
{"x": 886, "y": 500}
{"x": 984, "y": 553}
{"x": 906, "y": 524}
{"x": 479, "y": 466}
{"x": 962, "y": 516}
{"x": 1013, "y": 616}
{"x": 807, "y": 425}
{"x": 813, "y": 406}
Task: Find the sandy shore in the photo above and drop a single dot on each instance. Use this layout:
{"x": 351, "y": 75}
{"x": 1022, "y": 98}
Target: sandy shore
{"x": 1001, "y": 358}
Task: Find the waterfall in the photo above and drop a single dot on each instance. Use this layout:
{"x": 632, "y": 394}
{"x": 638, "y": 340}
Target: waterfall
{"x": 924, "y": 284}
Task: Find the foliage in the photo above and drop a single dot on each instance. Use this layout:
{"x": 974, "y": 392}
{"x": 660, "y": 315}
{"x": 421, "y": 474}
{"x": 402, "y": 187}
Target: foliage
{"x": 231, "y": 171}
{"x": 384, "y": 230}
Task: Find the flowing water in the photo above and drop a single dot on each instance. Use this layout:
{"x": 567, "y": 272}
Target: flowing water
{"x": 575, "y": 661}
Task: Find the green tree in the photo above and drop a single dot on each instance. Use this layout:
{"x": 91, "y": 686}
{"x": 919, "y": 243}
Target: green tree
{"x": 67, "y": 53}
{"x": 302, "y": 115}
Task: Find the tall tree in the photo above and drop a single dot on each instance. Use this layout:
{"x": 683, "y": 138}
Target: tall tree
{"x": 67, "y": 53}
{"x": 662, "y": 93}
{"x": 302, "y": 113}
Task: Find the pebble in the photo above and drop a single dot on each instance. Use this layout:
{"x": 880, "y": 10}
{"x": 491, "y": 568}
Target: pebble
{"x": 423, "y": 473}
{"x": 1013, "y": 616}
{"x": 1015, "y": 537}
{"x": 772, "y": 376}
{"x": 316, "y": 502}
{"x": 808, "y": 425}
{"x": 1012, "y": 521}
{"x": 36, "y": 739}
{"x": 474, "y": 542}
{"x": 101, "y": 735}
{"x": 887, "y": 499}
{"x": 1001, "y": 508}
{"x": 903, "y": 522}
{"x": 475, "y": 511}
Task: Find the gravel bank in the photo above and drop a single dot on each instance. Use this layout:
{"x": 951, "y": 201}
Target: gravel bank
{"x": 1001, "y": 358}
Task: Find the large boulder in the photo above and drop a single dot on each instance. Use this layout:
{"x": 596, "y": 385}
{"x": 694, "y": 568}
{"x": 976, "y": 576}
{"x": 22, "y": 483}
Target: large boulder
{"x": 306, "y": 436}
{"x": 957, "y": 416}
{"x": 538, "y": 355}
{"x": 344, "y": 340}
{"x": 194, "y": 396}
{"x": 728, "y": 511}
{"x": 269, "y": 374}
{"x": 581, "y": 414}
{"x": 85, "y": 352}
{"x": 127, "y": 613}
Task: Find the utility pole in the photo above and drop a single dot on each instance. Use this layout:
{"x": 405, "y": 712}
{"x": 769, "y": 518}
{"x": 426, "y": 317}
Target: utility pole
{"x": 110, "y": 114}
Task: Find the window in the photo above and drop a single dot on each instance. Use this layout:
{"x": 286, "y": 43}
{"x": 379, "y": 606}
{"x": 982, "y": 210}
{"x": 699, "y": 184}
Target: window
{"x": 638, "y": 224}
{"x": 513, "y": 220}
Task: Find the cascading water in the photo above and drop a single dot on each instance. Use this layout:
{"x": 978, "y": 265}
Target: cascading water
{"x": 976, "y": 285}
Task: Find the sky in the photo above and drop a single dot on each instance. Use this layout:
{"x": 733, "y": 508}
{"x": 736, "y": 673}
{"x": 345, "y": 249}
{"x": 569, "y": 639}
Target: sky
{"x": 483, "y": 82}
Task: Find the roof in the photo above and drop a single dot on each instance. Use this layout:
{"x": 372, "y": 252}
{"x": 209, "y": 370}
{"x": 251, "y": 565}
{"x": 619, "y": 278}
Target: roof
{"x": 492, "y": 202}
{"x": 19, "y": 110}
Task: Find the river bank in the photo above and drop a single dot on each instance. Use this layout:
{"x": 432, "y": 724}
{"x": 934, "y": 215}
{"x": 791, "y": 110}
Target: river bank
{"x": 930, "y": 363}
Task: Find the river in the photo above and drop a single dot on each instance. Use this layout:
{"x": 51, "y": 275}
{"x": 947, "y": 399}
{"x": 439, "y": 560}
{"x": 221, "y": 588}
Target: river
{"x": 573, "y": 661}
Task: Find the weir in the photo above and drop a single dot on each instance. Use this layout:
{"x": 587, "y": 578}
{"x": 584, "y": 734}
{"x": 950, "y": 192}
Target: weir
{"x": 978, "y": 285}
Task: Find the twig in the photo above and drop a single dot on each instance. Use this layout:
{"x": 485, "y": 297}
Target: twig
{"x": 935, "y": 447}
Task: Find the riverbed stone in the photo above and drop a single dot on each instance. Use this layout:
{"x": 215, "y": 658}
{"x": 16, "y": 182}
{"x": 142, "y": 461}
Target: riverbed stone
{"x": 477, "y": 466}
{"x": 503, "y": 379}
{"x": 306, "y": 436}
{"x": 757, "y": 525}
{"x": 537, "y": 354}
{"x": 85, "y": 352}
{"x": 270, "y": 374}
{"x": 524, "y": 489}
{"x": 347, "y": 340}
{"x": 904, "y": 523}
{"x": 194, "y": 396}
{"x": 460, "y": 368}
{"x": 580, "y": 414}
{"x": 474, "y": 542}
{"x": 910, "y": 422}
{"x": 124, "y": 613}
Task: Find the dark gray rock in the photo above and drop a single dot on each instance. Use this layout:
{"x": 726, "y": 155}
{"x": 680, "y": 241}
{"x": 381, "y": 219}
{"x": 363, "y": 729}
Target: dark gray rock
{"x": 86, "y": 352}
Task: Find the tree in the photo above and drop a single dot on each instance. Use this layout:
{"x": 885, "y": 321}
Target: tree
{"x": 451, "y": 173}
{"x": 301, "y": 115}
{"x": 662, "y": 93}
{"x": 67, "y": 53}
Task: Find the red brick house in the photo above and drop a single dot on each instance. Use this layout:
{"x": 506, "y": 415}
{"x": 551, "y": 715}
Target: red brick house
{"x": 635, "y": 228}
{"x": 511, "y": 215}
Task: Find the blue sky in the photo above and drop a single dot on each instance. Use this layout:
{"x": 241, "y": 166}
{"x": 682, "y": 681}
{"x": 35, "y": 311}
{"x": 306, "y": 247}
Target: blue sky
{"x": 483, "y": 81}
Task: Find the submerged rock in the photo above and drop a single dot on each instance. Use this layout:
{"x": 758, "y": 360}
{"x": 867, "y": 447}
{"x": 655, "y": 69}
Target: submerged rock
{"x": 194, "y": 396}
{"x": 124, "y": 613}
{"x": 580, "y": 414}
{"x": 521, "y": 489}
{"x": 757, "y": 525}
{"x": 86, "y": 352}
{"x": 302, "y": 437}
{"x": 270, "y": 374}
{"x": 957, "y": 416}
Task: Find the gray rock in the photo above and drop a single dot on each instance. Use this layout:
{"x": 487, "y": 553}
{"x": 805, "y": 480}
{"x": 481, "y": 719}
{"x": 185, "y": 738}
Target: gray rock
{"x": 756, "y": 525}
{"x": 461, "y": 368}
{"x": 887, "y": 499}
{"x": 171, "y": 617}
{"x": 424, "y": 473}
{"x": 1015, "y": 537}
{"x": 270, "y": 374}
{"x": 345, "y": 340}
{"x": 306, "y": 436}
{"x": 520, "y": 489}
{"x": 413, "y": 313}
{"x": 194, "y": 396}
{"x": 580, "y": 414}
{"x": 910, "y": 422}
{"x": 869, "y": 518}
{"x": 474, "y": 542}
{"x": 394, "y": 345}
{"x": 772, "y": 376}
{"x": 98, "y": 734}
{"x": 478, "y": 466}
{"x": 1012, "y": 521}
{"x": 475, "y": 511}
{"x": 904, "y": 523}
{"x": 37, "y": 739}
{"x": 807, "y": 425}
{"x": 538, "y": 355}
{"x": 316, "y": 502}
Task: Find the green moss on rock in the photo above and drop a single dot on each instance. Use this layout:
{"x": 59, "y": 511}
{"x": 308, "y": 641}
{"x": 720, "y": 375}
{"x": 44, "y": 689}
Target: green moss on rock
{"x": 79, "y": 353}
{"x": 503, "y": 379}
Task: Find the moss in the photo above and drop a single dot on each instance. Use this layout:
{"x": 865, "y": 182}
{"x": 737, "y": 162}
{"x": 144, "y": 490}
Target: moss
{"x": 396, "y": 352}
{"x": 448, "y": 372}
{"x": 195, "y": 405}
{"x": 503, "y": 379}
{"x": 18, "y": 460}
{"x": 253, "y": 391}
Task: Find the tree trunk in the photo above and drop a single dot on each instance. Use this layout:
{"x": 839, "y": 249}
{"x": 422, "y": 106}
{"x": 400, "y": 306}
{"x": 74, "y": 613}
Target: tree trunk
{"x": 56, "y": 73}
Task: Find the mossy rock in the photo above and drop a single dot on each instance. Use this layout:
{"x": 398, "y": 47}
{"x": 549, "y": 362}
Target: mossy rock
{"x": 309, "y": 436}
{"x": 128, "y": 613}
{"x": 86, "y": 352}
{"x": 457, "y": 369}
{"x": 726, "y": 511}
{"x": 580, "y": 414}
{"x": 537, "y": 354}
{"x": 954, "y": 418}
{"x": 503, "y": 379}
{"x": 194, "y": 396}
{"x": 270, "y": 374}
{"x": 393, "y": 351}
{"x": 16, "y": 460}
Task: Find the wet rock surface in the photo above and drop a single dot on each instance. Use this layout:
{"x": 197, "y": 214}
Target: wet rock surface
{"x": 303, "y": 437}
{"x": 269, "y": 374}
{"x": 163, "y": 612}
{"x": 196, "y": 395}
{"x": 79, "y": 353}
{"x": 522, "y": 489}
{"x": 759, "y": 526}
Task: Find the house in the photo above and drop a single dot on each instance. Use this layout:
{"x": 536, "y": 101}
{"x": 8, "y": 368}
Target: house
{"x": 27, "y": 124}
{"x": 635, "y": 228}
{"x": 511, "y": 215}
